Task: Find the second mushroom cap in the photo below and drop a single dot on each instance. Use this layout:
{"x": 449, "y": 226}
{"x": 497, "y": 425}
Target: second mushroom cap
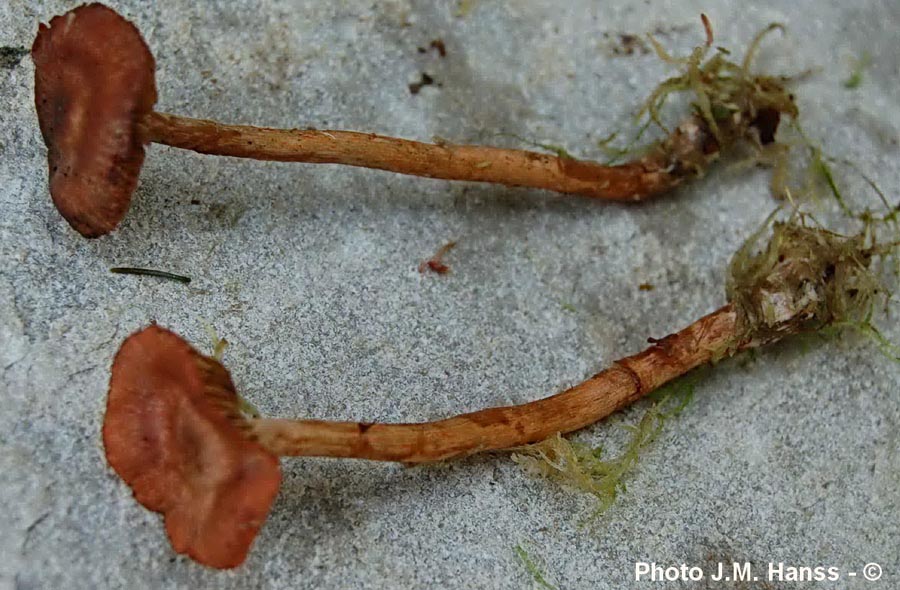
{"x": 174, "y": 433}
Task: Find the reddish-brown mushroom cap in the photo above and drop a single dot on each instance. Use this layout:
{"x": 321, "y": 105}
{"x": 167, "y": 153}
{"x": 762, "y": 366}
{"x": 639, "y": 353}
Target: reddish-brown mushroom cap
{"x": 93, "y": 84}
{"x": 173, "y": 432}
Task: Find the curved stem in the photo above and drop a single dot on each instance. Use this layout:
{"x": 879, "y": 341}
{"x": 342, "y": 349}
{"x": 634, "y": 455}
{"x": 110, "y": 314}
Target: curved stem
{"x": 499, "y": 428}
{"x": 636, "y": 180}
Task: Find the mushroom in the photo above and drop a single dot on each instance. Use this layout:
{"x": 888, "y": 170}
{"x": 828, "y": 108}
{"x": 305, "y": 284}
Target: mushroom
{"x": 95, "y": 91}
{"x": 175, "y": 433}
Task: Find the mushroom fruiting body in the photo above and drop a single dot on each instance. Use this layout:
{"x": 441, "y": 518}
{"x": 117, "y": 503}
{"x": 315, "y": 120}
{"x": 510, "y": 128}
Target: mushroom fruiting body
{"x": 95, "y": 91}
{"x": 94, "y": 84}
{"x": 173, "y": 432}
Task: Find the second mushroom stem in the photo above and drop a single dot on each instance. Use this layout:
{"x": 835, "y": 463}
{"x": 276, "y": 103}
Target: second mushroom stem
{"x": 506, "y": 427}
{"x": 631, "y": 181}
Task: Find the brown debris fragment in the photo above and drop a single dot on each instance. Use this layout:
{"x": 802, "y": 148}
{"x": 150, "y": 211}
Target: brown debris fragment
{"x": 436, "y": 263}
{"x": 438, "y": 45}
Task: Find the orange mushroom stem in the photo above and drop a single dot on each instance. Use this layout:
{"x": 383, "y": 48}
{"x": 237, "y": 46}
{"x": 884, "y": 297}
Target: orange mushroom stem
{"x": 626, "y": 381}
{"x": 95, "y": 91}
{"x": 662, "y": 169}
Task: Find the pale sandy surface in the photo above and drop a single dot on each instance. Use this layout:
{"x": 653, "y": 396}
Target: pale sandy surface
{"x": 310, "y": 273}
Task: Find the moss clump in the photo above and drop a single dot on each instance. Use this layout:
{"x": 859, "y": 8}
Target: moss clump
{"x": 587, "y": 468}
{"x": 730, "y": 99}
{"x": 804, "y": 279}
{"x": 731, "y": 104}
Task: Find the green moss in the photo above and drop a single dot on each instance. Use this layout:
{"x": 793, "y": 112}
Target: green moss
{"x": 793, "y": 277}
{"x": 559, "y": 150}
{"x": 727, "y": 95}
{"x": 818, "y": 172}
{"x": 617, "y": 154}
{"x": 219, "y": 345}
{"x": 464, "y": 8}
{"x": 533, "y": 569}
{"x": 821, "y": 176}
{"x": 856, "y": 76}
{"x": 730, "y": 102}
{"x": 590, "y": 469}
{"x": 821, "y": 165}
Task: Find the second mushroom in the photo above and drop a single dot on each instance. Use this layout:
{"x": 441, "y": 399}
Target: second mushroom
{"x": 175, "y": 432}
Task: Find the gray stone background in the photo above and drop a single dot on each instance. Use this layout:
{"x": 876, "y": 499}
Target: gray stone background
{"x": 310, "y": 273}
